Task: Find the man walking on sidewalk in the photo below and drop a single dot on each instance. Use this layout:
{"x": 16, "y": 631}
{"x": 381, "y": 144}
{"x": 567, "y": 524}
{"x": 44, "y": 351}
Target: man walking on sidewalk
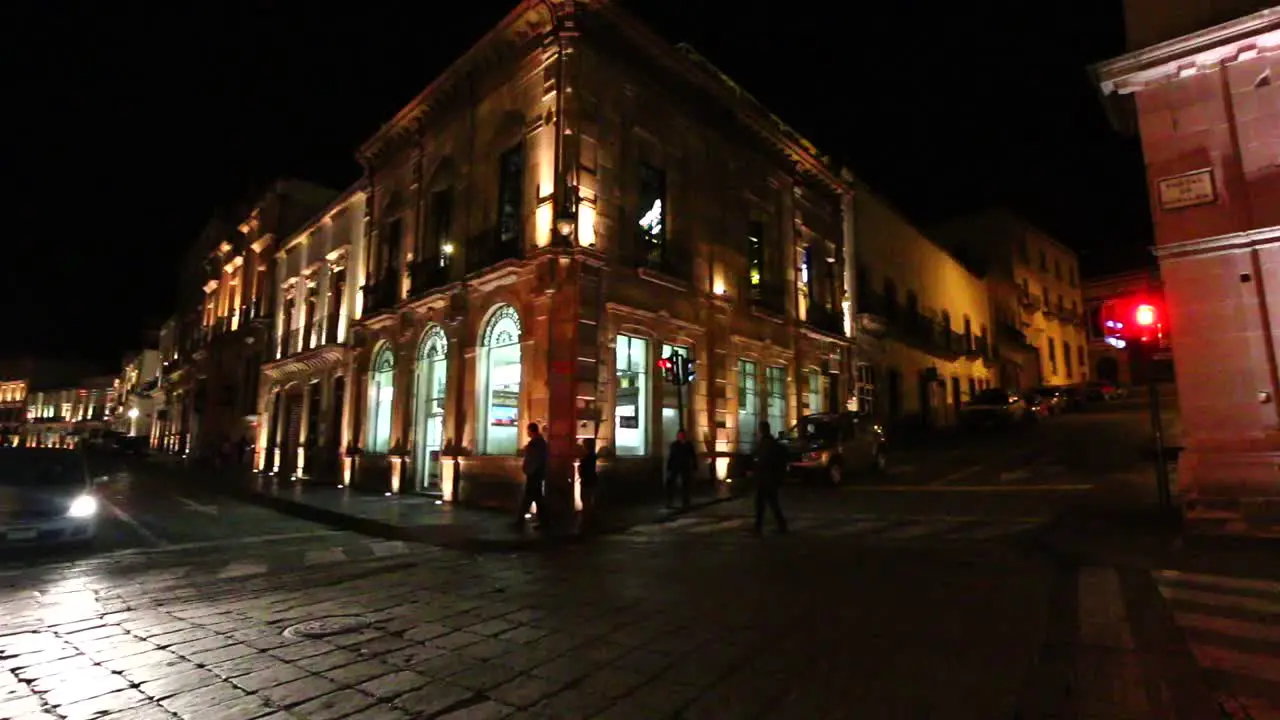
{"x": 535, "y": 472}
{"x": 681, "y": 462}
{"x": 771, "y": 464}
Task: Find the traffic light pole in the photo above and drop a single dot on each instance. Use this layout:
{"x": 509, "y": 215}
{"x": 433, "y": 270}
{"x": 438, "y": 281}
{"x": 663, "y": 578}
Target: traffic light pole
{"x": 679, "y": 362}
{"x": 1163, "y": 490}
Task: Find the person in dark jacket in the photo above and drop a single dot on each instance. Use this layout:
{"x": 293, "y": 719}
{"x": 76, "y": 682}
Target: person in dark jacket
{"x": 681, "y": 463}
{"x": 589, "y": 479}
{"x": 770, "y": 466}
{"x": 535, "y": 473}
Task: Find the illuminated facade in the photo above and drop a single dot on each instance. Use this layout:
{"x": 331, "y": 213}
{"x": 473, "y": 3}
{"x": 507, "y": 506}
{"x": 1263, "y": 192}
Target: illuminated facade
{"x": 1202, "y": 84}
{"x": 924, "y": 323}
{"x": 304, "y": 384}
{"x": 224, "y": 333}
{"x": 13, "y": 402}
{"x": 134, "y": 413}
{"x": 1037, "y": 305}
{"x": 570, "y": 201}
{"x": 64, "y": 417}
{"x": 1108, "y": 361}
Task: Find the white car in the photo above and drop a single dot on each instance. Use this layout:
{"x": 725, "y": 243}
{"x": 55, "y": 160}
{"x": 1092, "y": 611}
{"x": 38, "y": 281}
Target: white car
{"x": 46, "y": 497}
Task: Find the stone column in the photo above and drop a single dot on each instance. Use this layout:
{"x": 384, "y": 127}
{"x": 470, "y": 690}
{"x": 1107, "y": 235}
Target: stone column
{"x": 572, "y": 353}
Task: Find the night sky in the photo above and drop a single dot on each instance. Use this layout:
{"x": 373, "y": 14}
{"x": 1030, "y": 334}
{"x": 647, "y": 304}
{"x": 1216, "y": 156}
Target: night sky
{"x": 132, "y": 126}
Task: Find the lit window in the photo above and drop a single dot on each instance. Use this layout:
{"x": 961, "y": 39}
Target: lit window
{"x": 817, "y": 397}
{"x": 748, "y": 406}
{"x": 631, "y": 402}
{"x": 381, "y": 394}
{"x": 430, "y": 384}
{"x": 755, "y": 253}
{"x": 670, "y": 401}
{"x": 652, "y": 223}
{"x": 776, "y": 389}
{"x": 501, "y": 373}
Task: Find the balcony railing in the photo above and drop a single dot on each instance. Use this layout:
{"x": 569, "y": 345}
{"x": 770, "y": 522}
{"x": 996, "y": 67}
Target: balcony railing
{"x": 331, "y": 327}
{"x": 382, "y": 294}
{"x": 486, "y": 250}
{"x": 673, "y": 261}
{"x": 825, "y": 319}
{"x": 427, "y": 275}
{"x": 768, "y": 296}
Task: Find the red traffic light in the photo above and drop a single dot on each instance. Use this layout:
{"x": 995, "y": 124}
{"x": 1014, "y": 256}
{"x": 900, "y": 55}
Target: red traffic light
{"x": 1144, "y": 315}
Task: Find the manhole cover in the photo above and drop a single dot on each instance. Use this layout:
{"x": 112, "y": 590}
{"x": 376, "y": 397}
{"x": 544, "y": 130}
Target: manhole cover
{"x": 324, "y": 627}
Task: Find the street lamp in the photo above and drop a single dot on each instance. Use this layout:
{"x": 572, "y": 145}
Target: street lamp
{"x": 133, "y": 413}
{"x": 133, "y": 421}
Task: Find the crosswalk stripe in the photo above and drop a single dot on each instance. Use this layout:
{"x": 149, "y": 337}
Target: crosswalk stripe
{"x": 1238, "y": 602}
{"x": 1228, "y": 626}
{"x": 242, "y": 569}
{"x": 319, "y": 557}
{"x": 388, "y": 547}
{"x": 1218, "y": 581}
{"x": 1262, "y": 667}
{"x": 719, "y": 526}
{"x": 859, "y": 528}
{"x": 987, "y": 531}
{"x": 918, "y": 529}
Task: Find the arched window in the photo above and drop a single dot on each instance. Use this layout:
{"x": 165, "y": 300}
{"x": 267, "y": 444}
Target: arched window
{"x": 382, "y": 390}
{"x": 500, "y": 373}
{"x": 430, "y": 384}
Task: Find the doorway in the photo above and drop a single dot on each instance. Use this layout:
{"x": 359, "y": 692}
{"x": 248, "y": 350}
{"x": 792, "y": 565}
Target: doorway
{"x": 430, "y": 385}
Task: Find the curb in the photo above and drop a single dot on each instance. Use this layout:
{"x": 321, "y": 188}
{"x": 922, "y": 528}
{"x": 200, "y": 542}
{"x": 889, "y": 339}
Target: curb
{"x": 439, "y": 536}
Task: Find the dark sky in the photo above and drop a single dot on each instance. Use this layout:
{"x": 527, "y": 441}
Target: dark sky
{"x": 132, "y": 123}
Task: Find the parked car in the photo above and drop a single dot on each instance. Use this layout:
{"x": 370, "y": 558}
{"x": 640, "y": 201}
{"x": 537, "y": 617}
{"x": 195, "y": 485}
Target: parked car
{"x": 995, "y": 407}
{"x": 1103, "y": 391}
{"x": 833, "y": 445}
{"x": 46, "y": 497}
{"x": 1053, "y": 399}
{"x": 1038, "y": 406}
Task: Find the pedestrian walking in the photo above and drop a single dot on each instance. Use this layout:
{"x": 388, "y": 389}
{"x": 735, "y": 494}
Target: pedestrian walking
{"x": 770, "y": 466}
{"x": 589, "y": 481}
{"x": 681, "y": 463}
{"x": 535, "y": 473}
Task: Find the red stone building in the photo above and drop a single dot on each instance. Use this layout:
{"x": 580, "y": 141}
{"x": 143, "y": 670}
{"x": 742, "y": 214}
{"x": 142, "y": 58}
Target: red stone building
{"x": 571, "y": 200}
{"x": 1203, "y": 81}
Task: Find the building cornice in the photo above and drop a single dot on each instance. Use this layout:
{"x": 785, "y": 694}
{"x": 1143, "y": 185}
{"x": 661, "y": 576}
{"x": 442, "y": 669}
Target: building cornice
{"x": 339, "y": 204}
{"x": 1120, "y": 75}
{"x": 1222, "y": 244}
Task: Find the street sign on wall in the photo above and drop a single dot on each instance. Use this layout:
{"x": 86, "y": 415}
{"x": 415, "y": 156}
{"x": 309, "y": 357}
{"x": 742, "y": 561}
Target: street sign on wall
{"x": 1187, "y": 190}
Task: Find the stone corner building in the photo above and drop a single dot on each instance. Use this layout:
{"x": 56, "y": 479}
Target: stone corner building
{"x": 1206, "y": 99}
{"x": 571, "y": 200}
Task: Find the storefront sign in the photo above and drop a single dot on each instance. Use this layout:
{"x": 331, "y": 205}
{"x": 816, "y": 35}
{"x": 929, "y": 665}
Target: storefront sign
{"x": 1187, "y": 190}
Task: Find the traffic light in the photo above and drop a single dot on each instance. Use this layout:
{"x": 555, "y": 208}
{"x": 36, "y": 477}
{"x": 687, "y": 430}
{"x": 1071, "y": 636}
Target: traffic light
{"x": 1135, "y": 320}
{"x": 689, "y": 370}
{"x": 668, "y": 369}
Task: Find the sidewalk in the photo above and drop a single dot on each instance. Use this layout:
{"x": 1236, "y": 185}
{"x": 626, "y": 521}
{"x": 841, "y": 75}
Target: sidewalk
{"x": 424, "y": 519}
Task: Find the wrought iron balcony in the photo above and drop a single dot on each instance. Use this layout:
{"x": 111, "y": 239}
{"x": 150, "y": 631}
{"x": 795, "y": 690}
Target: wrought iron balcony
{"x": 427, "y": 275}
{"x": 769, "y": 296}
{"x": 382, "y": 294}
{"x": 486, "y": 250}
{"x": 825, "y": 319}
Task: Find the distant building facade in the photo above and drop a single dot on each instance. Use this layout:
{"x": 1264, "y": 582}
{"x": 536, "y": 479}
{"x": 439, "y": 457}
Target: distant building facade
{"x": 1035, "y": 293}
{"x": 1107, "y": 362}
{"x": 1202, "y": 83}
{"x": 570, "y": 201}
{"x": 223, "y": 332}
{"x": 66, "y": 416}
{"x": 305, "y": 380}
{"x": 924, "y": 323}
{"x": 134, "y": 413}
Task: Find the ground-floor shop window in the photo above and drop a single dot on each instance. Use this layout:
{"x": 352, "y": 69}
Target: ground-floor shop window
{"x": 776, "y": 386}
{"x": 671, "y": 420}
{"x": 382, "y": 391}
{"x": 631, "y": 417}
{"x": 866, "y": 389}
{"x": 816, "y": 392}
{"x": 501, "y": 369}
{"x": 748, "y": 406}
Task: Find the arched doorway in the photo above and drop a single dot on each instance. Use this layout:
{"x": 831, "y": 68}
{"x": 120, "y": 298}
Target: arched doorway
{"x": 381, "y": 394}
{"x": 429, "y": 385}
{"x": 500, "y": 373}
{"x": 1108, "y": 370}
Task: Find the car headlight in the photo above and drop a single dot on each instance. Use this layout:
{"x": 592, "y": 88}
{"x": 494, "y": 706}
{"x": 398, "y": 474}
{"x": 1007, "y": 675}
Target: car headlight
{"x": 83, "y": 507}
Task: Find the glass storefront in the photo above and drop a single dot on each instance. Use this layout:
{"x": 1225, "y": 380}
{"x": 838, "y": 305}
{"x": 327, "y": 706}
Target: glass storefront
{"x": 748, "y": 406}
{"x": 382, "y": 390}
{"x": 631, "y": 413}
{"x": 776, "y": 389}
{"x": 500, "y": 422}
{"x": 430, "y": 386}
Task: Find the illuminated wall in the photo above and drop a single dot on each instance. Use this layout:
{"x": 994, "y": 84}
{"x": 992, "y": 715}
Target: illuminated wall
{"x": 902, "y": 273}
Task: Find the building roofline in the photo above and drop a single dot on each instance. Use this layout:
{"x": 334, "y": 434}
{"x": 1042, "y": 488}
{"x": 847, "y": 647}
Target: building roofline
{"x": 359, "y": 186}
{"x": 1110, "y": 75}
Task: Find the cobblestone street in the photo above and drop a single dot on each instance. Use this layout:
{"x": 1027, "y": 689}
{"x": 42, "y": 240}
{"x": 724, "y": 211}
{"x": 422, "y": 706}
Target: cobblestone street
{"x": 782, "y": 628}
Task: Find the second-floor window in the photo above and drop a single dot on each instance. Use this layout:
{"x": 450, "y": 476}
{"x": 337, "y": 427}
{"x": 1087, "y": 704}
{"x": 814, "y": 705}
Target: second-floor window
{"x": 390, "y": 248}
{"x": 652, "y": 215}
{"x": 442, "y": 224}
{"x": 755, "y": 255}
{"x": 337, "y": 294}
{"x": 968, "y": 334}
{"x": 1053, "y": 356}
{"x": 510, "y": 194}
